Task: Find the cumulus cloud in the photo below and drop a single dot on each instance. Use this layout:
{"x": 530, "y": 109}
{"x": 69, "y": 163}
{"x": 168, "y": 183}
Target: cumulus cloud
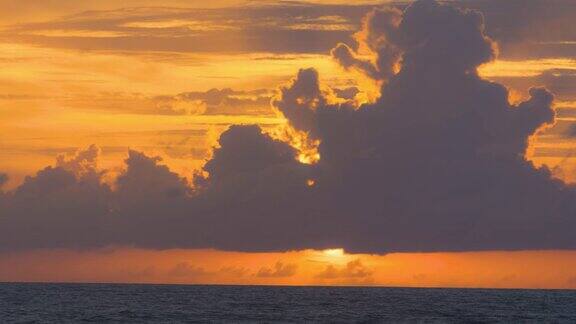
{"x": 264, "y": 189}
{"x": 439, "y": 158}
{"x": 377, "y": 40}
{"x": 304, "y": 98}
{"x": 57, "y": 208}
{"x": 145, "y": 179}
{"x": 245, "y": 149}
{"x": 437, "y": 163}
{"x": 83, "y": 164}
{"x": 280, "y": 270}
{"x": 353, "y": 270}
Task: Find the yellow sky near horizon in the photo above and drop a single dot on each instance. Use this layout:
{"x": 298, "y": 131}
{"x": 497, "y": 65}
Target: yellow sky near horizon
{"x": 523, "y": 269}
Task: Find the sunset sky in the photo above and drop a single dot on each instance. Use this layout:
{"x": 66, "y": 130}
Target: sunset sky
{"x": 313, "y": 142}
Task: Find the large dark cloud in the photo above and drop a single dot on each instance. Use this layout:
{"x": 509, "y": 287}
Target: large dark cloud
{"x": 436, "y": 164}
{"x": 439, "y": 159}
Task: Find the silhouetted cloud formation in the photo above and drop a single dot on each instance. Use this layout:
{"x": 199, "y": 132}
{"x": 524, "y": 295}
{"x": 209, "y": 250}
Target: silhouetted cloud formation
{"x": 435, "y": 164}
{"x": 378, "y": 37}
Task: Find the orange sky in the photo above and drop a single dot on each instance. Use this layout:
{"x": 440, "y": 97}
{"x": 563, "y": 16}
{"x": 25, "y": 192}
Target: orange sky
{"x": 529, "y": 269}
{"x": 58, "y": 95}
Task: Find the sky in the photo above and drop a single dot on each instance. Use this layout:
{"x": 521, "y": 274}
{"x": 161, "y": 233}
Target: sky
{"x": 392, "y": 143}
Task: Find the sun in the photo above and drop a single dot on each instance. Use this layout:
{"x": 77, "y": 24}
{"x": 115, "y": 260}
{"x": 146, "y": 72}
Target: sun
{"x": 334, "y": 253}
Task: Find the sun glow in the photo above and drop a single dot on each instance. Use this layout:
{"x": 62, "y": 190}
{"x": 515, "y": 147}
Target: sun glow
{"x": 307, "y": 148}
{"x": 334, "y": 253}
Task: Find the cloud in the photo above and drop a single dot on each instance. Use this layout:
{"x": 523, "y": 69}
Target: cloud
{"x": 534, "y": 29}
{"x": 437, "y": 163}
{"x": 278, "y": 28}
{"x": 145, "y": 179}
{"x": 57, "y": 208}
{"x": 83, "y": 164}
{"x": 347, "y": 93}
{"x": 217, "y": 102}
{"x": 304, "y": 98}
{"x": 299, "y": 100}
{"x": 260, "y": 178}
{"x": 353, "y": 270}
{"x": 280, "y": 270}
{"x": 439, "y": 158}
{"x": 561, "y": 81}
{"x": 376, "y": 39}
{"x": 245, "y": 149}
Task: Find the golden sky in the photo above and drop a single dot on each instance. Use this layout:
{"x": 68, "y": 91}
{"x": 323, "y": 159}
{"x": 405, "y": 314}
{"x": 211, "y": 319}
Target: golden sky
{"x": 528, "y": 269}
{"x": 167, "y": 77}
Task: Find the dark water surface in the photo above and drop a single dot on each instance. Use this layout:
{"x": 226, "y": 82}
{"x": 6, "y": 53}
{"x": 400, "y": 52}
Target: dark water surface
{"x": 65, "y": 303}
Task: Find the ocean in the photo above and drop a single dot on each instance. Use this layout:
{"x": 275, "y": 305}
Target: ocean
{"x": 119, "y": 303}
